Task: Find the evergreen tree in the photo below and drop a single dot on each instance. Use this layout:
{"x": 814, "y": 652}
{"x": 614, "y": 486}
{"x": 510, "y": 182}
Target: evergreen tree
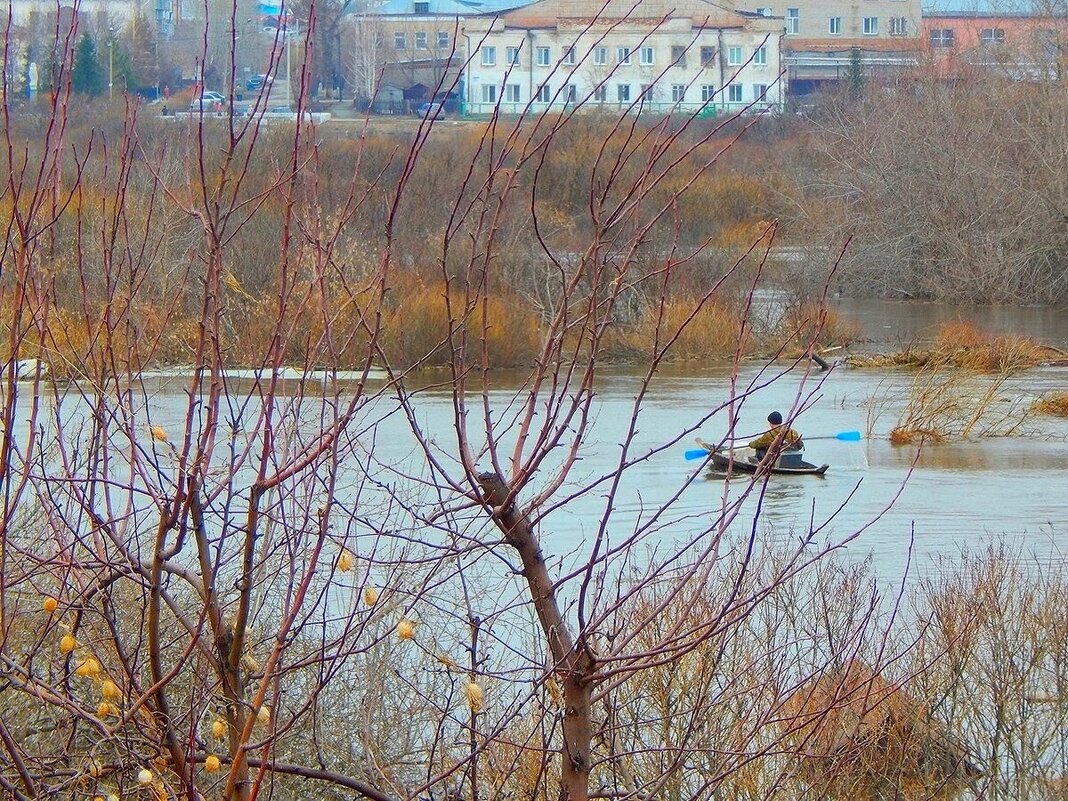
{"x": 855, "y": 72}
{"x": 87, "y": 77}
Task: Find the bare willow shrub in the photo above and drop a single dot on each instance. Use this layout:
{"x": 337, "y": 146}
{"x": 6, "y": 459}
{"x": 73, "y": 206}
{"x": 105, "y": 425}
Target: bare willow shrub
{"x": 992, "y": 663}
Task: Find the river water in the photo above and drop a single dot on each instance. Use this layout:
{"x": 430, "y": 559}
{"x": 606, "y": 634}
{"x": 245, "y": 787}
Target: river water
{"x": 913, "y": 506}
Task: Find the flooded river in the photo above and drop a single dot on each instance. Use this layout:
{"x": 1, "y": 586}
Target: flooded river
{"x": 938, "y": 499}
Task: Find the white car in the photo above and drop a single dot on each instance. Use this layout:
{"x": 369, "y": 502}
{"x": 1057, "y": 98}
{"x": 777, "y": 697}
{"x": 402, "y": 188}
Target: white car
{"x": 206, "y": 101}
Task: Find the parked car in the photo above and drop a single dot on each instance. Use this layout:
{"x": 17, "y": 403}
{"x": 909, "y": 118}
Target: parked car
{"x": 434, "y": 110}
{"x": 257, "y": 82}
{"x": 206, "y": 101}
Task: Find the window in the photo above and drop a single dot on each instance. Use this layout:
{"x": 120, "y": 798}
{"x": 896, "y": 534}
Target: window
{"x": 543, "y": 95}
{"x": 422, "y": 8}
{"x": 942, "y": 37}
{"x": 444, "y": 40}
{"x": 793, "y": 21}
{"x": 398, "y": 40}
{"x": 763, "y": 11}
{"x": 600, "y": 55}
{"x": 544, "y": 56}
{"x": 569, "y": 56}
{"x": 734, "y": 56}
{"x": 646, "y": 57}
{"x": 734, "y": 93}
{"x": 489, "y": 56}
{"x": 600, "y": 94}
{"x": 708, "y": 56}
{"x": 420, "y": 40}
{"x": 678, "y": 93}
{"x": 489, "y": 92}
{"x": 647, "y": 93}
{"x": 678, "y": 55}
{"x": 511, "y": 56}
{"x": 992, "y": 36}
{"x": 708, "y": 92}
{"x": 899, "y": 26}
{"x": 512, "y": 93}
{"x": 871, "y": 26}
{"x": 760, "y": 56}
{"x": 623, "y": 55}
{"x": 623, "y": 92}
{"x": 834, "y": 25}
{"x": 570, "y": 93}
{"x": 760, "y": 91}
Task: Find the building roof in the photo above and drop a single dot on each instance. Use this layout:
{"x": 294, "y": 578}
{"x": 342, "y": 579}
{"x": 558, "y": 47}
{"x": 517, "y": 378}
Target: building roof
{"x": 547, "y": 13}
{"x": 868, "y": 44}
{"x": 444, "y": 7}
{"x": 995, "y": 8}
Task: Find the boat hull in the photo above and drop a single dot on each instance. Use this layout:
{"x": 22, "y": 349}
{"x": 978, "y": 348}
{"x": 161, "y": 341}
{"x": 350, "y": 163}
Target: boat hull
{"x": 739, "y": 461}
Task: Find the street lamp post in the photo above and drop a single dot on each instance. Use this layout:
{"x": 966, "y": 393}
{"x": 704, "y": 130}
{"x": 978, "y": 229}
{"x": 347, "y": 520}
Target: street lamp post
{"x": 111, "y": 64}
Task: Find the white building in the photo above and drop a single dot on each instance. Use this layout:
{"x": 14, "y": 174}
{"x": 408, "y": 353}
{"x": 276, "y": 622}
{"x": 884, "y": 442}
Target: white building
{"x": 649, "y": 56}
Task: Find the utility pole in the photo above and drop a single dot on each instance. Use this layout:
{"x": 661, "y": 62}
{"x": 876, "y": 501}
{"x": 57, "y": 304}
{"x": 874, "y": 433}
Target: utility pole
{"x": 111, "y": 63}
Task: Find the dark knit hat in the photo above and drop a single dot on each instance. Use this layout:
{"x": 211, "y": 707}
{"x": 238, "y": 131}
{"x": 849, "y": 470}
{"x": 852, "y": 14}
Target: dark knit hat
{"x": 775, "y": 419}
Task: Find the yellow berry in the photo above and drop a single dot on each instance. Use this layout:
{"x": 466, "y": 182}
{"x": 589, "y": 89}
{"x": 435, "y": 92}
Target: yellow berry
{"x": 67, "y": 643}
{"x": 405, "y": 629}
{"x": 144, "y": 776}
{"x": 212, "y": 763}
{"x": 49, "y": 604}
{"x": 370, "y": 596}
{"x": 218, "y": 728}
{"x": 264, "y": 715}
{"x": 475, "y": 697}
{"x": 159, "y": 433}
{"x": 110, "y": 689}
{"x": 87, "y": 667}
{"x": 345, "y": 562}
{"x": 103, "y": 710}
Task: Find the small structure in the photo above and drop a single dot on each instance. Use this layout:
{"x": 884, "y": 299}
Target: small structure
{"x": 858, "y": 737}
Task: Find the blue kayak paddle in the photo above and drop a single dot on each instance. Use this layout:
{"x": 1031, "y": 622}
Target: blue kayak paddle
{"x": 844, "y": 436}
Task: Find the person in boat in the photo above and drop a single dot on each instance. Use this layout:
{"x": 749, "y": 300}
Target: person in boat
{"x": 782, "y": 438}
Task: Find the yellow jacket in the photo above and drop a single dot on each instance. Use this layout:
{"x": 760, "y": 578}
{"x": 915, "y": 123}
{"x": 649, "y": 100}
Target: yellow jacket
{"x": 791, "y": 439}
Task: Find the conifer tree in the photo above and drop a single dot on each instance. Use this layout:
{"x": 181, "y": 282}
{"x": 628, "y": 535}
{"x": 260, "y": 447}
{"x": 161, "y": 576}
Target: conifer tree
{"x": 87, "y": 77}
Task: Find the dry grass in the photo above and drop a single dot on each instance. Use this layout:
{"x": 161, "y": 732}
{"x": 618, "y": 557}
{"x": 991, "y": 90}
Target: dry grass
{"x": 965, "y": 345}
{"x": 1054, "y": 404}
{"x": 712, "y": 333}
{"x": 859, "y": 737}
{"x": 903, "y": 435}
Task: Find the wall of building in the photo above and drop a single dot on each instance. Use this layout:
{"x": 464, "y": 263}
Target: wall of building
{"x": 674, "y": 65}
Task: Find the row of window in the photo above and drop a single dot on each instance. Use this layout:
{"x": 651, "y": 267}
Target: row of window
{"x": 400, "y": 40}
{"x": 543, "y": 56}
{"x": 513, "y": 93}
{"x": 946, "y": 37}
{"x": 899, "y": 26}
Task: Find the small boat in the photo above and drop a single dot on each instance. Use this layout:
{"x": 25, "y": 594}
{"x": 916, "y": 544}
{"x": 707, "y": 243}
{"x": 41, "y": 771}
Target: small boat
{"x": 743, "y": 460}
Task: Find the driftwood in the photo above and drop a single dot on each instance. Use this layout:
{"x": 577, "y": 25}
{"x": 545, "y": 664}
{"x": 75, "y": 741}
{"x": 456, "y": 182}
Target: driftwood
{"x": 858, "y": 737}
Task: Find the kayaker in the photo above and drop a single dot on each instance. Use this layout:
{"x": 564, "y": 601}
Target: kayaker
{"x": 784, "y": 437}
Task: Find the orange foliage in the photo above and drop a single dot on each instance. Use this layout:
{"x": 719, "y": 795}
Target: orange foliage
{"x": 713, "y": 332}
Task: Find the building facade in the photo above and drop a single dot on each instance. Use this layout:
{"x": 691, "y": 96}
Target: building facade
{"x": 689, "y": 56}
{"x": 1018, "y": 45}
{"x": 828, "y": 40}
{"x": 404, "y": 51}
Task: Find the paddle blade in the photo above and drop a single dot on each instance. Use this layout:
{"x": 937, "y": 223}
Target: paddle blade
{"x": 848, "y": 436}
{"x": 697, "y": 453}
